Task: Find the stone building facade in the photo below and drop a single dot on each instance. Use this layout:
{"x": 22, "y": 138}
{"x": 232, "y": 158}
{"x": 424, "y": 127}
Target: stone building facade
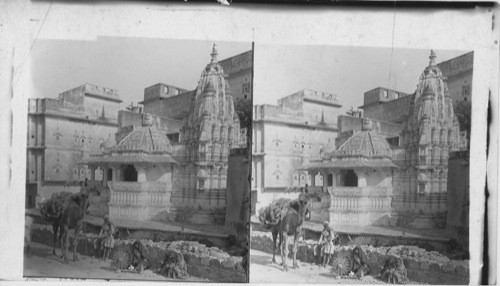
{"x": 431, "y": 133}
{"x": 166, "y": 161}
{"x": 387, "y": 105}
{"x": 60, "y": 132}
{"x": 458, "y": 74}
{"x": 239, "y": 71}
{"x": 422, "y": 131}
{"x": 285, "y": 136}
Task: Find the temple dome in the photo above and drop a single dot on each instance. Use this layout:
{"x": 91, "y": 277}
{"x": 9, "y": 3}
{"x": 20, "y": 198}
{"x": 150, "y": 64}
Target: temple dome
{"x": 145, "y": 138}
{"x": 368, "y": 144}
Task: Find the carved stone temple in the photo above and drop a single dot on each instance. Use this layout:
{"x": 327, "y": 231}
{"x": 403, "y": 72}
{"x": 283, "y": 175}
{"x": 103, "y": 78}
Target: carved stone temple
{"x": 171, "y": 162}
{"x": 391, "y": 172}
{"x": 430, "y": 134}
{"x": 212, "y": 129}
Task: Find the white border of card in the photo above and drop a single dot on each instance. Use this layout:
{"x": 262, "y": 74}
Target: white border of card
{"x": 23, "y": 22}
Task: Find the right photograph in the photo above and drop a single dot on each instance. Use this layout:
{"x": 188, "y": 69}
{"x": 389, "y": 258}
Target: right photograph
{"x": 360, "y": 165}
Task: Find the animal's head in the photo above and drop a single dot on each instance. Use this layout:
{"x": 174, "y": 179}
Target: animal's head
{"x": 262, "y": 216}
{"x": 83, "y": 201}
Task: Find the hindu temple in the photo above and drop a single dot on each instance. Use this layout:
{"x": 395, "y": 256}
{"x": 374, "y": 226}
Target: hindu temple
{"x": 173, "y": 166}
{"x": 431, "y": 132}
{"x": 358, "y": 169}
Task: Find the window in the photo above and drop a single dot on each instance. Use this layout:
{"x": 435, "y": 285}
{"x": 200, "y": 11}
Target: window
{"x": 396, "y": 95}
{"x": 173, "y": 137}
{"x": 330, "y": 180}
{"x": 165, "y": 89}
{"x": 386, "y": 94}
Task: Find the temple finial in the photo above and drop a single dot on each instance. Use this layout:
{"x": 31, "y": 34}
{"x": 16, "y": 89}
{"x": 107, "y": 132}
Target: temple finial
{"x": 214, "y": 53}
{"x": 432, "y": 58}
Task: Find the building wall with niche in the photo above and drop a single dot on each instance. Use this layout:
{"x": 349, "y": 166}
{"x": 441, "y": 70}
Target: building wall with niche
{"x": 60, "y": 131}
{"x": 285, "y": 137}
{"x": 239, "y": 71}
{"x": 458, "y": 74}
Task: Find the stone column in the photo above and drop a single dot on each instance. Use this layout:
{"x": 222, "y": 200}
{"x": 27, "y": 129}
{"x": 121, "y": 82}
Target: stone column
{"x": 362, "y": 176}
{"x": 141, "y": 173}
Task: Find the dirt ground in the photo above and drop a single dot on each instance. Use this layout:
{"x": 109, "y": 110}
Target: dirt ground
{"x": 42, "y": 265}
{"x": 263, "y": 271}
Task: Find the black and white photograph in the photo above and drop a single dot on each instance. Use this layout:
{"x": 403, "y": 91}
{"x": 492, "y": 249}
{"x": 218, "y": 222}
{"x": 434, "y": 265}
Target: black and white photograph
{"x": 360, "y": 170}
{"x": 259, "y": 143}
{"x": 137, "y": 160}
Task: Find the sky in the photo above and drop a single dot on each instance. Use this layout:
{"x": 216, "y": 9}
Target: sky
{"x": 132, "y": 64}
{"x": 348, "y": 72}
{"x": 126, "y": 64}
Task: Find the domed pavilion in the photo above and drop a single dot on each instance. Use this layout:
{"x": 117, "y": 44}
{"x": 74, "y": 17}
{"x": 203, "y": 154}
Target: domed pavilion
{"x": 138, "y": 172}
{"x": 358, "y": 186}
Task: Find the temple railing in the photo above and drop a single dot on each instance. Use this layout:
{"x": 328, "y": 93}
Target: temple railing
{"x": 139, "y": 194}
{"x": 360, "y": 191}
{"x": 360, "y": 199}
{"x": 150, "y": 187}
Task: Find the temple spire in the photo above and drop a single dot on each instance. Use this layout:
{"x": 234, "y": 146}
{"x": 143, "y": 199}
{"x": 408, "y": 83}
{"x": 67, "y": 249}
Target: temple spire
{"x": 214, "y": 54}
{"x": 432, "y": 58}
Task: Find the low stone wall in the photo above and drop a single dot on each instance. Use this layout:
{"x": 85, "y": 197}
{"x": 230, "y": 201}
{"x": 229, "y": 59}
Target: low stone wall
{"x": 422, "y": 266}
{"x": 202, "y": 261}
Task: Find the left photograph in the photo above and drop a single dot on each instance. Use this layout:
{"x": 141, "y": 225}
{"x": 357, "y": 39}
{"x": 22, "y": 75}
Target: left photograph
{"x": 138, "y": 160}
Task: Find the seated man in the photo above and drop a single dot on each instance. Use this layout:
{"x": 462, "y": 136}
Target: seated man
{"x": 174, "y": 265}
{"x": 139, "y": 261}
{"x": 360, "y": 266}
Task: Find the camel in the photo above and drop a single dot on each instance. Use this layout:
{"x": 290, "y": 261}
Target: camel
{"x": 51, "y": 212}
{"x": 291, "y": 224}
{"x": 72, "y": 218}
{"x": 285, "y": 218}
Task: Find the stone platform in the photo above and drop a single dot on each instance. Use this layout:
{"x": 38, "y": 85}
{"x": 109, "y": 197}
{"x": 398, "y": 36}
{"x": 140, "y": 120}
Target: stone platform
{"x": 431, "y": 240}
{"x": 216, "y": 235}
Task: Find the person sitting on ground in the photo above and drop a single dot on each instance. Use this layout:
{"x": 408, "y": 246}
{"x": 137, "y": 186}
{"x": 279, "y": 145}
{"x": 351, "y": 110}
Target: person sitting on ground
{"x": 139, "y": 261}
{"x": 328, "y": 249}
{"x": 394, "y": 272}
{"x": 106, "y": 237}
{"x": 174, "y": 266}
{"x": 359, "y": 267}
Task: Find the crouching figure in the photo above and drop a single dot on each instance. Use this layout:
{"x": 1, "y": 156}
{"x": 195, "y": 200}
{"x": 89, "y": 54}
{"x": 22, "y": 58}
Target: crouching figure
{"x": 394, "y": 272}
{"x": 359, "y": 267}
{"x": 139, "y": 261}
{"x": 174, "y": 265}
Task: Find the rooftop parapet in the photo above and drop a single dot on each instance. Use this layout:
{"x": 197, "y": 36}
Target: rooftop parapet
{"x": 458, "y": 65}
{"x": 294, "y": 100}
{"x": 90, "y": 90}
